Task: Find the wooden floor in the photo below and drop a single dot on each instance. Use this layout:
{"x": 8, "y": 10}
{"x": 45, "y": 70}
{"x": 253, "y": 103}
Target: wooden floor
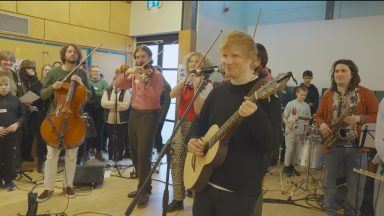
{"x": 111, "y": 197}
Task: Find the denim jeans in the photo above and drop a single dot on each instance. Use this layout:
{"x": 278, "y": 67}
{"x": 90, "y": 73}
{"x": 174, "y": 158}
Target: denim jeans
{"x": 334, "y": 161}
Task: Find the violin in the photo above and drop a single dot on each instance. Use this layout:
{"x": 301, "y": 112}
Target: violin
{"x": 144, "y": 76}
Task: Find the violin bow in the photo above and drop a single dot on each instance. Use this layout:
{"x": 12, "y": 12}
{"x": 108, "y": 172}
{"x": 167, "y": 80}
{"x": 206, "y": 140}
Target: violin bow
{"x": 257, "y": 23}
{"x": 254, "y": 32}
{"x": 209, "y": 49}
{"x": 81, "y": 62}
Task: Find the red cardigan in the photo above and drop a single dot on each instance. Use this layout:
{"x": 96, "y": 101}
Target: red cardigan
{"x": 367, "y": 108}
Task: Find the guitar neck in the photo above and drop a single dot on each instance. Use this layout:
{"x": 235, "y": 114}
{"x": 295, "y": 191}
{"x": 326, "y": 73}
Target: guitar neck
{"x": 261, "y": 90}
{"x": 229, "y": 125}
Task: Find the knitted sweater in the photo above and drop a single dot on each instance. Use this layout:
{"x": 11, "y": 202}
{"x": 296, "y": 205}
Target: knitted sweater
{"x": 366, "y": 109}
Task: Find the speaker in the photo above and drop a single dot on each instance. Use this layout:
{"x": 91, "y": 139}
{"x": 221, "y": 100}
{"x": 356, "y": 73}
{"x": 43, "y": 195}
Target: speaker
{"x": 89, "y": 175}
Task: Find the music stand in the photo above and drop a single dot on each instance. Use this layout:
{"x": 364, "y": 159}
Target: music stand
{"x": 23, "y": 173}
{"x": 367, "y": 139}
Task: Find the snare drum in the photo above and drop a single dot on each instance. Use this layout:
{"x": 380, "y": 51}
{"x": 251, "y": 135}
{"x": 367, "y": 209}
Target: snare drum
{"x": 311, "y": 147}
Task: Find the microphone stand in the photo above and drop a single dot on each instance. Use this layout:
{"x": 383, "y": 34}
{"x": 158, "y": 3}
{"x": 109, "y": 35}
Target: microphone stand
{"x": 115, "y": 133}
{"x": 165, "y": 150}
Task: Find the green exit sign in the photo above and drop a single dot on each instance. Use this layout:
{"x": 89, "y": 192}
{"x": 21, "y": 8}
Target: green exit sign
{"x": 153, "y": 4}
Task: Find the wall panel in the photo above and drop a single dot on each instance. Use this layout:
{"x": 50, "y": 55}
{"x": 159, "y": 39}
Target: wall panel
{"x": 108, "y": 63}
{"x": 8, "y": 6}
{"x": 120, "y": 19}
{"x": 166, "y": 19}
{"x": 66, "y": 33}
{"x": 36, "y": 28}
{"x": 24, "y": 50}
{"x": 92, "y": 14}
{"x": 52, "y": 10}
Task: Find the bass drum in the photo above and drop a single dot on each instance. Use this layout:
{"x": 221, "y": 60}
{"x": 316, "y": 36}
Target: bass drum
{"x": 311, "y": 152}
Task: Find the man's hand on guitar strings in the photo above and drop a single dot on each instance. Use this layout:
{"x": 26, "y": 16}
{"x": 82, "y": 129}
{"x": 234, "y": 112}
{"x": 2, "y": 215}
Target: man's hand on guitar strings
{"x": 196, "y": 146}
{"x": 325, "y": 130}
{"x": 247, "y": 108}
{"x": 350, "y": 120}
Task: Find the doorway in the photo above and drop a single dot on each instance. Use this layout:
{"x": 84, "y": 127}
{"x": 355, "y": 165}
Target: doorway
{"x": 165, "y": 53}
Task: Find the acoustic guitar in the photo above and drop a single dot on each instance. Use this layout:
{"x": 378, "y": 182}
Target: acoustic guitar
{"x": 198, "y": 169}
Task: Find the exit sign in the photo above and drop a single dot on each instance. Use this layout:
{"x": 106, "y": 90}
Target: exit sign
{"x": 153, "y": 4}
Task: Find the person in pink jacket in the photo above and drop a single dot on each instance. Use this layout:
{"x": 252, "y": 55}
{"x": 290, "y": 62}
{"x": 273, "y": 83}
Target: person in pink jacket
{"x": 146, "y": 84}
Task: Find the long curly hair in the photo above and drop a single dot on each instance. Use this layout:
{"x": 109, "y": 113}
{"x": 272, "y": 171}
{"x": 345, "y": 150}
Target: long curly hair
{"x": 64, "y": 50}
{"x": 205, "y": 63}
{"x": 355, "y": 81}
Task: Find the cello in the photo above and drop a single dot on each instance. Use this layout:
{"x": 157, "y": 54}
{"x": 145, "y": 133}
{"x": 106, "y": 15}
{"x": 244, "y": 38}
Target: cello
{"x": 65, "y": 128}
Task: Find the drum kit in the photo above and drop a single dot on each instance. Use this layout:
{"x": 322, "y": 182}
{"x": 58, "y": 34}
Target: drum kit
{"x": 310, "y": 158}
{"x": 311, "y": 150}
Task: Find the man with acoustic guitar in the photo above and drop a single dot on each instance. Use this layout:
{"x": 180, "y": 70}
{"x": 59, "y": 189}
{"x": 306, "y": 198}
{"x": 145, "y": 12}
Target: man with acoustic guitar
{"x": 70, "y": 55}
{"x": 234, "y": 186}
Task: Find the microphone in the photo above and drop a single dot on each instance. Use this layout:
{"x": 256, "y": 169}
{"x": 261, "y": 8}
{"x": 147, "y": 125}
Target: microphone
{"x": 207, "y": 70}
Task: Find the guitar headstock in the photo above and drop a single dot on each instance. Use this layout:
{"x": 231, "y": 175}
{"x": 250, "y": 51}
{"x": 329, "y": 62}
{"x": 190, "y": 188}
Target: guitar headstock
{"x": 273, "y": 86}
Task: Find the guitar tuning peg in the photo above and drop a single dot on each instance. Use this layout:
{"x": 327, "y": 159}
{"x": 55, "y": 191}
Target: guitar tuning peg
{"x": 269, "y": 99}
{"x": 276, "y": 95}
{"x": 283, "y": 91}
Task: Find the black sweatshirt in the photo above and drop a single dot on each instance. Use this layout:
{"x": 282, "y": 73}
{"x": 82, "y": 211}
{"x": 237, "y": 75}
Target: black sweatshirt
{"x": 11, "y": 110}
{"x": 312, "y": 97}
{"x": 250, "y": 148}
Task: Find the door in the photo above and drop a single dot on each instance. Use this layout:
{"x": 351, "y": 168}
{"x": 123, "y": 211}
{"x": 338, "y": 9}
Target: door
{"x": 165, "y": 52}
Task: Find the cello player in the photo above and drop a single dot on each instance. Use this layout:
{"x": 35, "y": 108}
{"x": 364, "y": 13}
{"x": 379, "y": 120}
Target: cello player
{"x": 70, "y": 55}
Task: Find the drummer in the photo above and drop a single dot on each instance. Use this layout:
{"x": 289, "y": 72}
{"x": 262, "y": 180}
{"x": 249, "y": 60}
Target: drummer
{"x": 296, "y": 118}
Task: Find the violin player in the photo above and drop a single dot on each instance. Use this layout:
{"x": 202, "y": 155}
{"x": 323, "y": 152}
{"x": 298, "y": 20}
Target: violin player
{"x": 147, "y": 85}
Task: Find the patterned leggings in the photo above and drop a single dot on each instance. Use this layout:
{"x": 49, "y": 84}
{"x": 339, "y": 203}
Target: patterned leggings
{"x": 179, "y": 147}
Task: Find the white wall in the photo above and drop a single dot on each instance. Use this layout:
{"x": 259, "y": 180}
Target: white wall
{"x": 210, "y": 20}
{"x": 166, "y": 19}
{"x": 207, "y": 31}
{"x": 108, "y": 62}
{"x": 316, "y": 45}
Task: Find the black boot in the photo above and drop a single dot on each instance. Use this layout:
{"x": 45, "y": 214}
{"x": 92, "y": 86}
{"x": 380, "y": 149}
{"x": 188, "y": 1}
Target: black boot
{"x": 190, "y": 193}
{"x": 287, "y": 171}
{"x": 40, "y": 167}
{"x": 175, "y": 206}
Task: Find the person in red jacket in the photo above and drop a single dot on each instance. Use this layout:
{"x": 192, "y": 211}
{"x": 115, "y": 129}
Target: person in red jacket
{"x": 353, "y": 105}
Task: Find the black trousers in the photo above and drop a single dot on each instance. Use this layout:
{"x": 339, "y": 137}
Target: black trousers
{"x": 142, "y": 127}
{"x": 105, "y": 138}
{"x": 8, "y": 156}
{"x": 116, "y": 147}
{"x": 41, "y": 147}
{"x": 215, "y": 202}
{"x": 127, "y": 148}
{"x": 98, "y": 117}
{"x": 30, "y": 130}
{"x": 158, "y": 138}
{"x": 27, "y": 135}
